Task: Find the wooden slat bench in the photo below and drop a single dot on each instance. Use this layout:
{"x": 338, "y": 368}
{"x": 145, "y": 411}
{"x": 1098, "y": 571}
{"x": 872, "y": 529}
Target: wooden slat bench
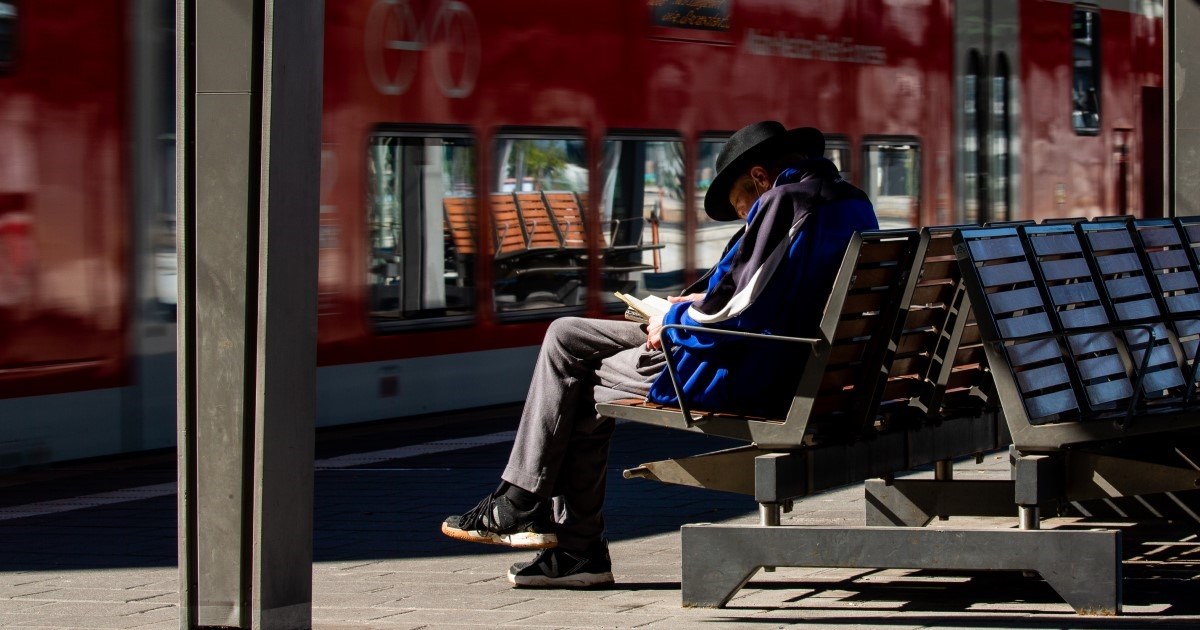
{"x": 880, "y": 391}
{"x": 950, "y": 343}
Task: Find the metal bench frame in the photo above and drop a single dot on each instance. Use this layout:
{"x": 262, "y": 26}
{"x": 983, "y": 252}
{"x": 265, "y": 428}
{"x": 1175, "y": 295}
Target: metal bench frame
{"x": 783, "y": 462}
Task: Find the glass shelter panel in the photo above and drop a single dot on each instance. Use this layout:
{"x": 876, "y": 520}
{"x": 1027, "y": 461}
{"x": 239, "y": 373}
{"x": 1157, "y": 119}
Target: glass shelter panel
{"x": 1085, "y": 88}
{"x": 537, "y": 205}
{"x": 642, "y": 218}
{"x": 892, "y": 179}
{"x": 421, "y": 225}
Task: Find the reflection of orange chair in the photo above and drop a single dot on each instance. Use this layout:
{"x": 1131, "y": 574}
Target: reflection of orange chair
{"x": 460, "y": 223}
{"x": 568, "y": 216}
{"x": 507, "y": 231}
{"x": 540, "y": 230}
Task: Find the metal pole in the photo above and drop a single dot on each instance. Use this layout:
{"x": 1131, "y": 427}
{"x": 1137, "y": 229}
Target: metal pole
{"x": 768, "y": 514}
{"x": 1168, "y": 174}
{"x": 1030, "y": 516}
{"x": 943, "y": 470}
{"x": 1181, "y": 28}
{"x": 248, "y": 213}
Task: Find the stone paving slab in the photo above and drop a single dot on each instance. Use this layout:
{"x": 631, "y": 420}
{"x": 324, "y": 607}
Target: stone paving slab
{"x": 381, "y": 562}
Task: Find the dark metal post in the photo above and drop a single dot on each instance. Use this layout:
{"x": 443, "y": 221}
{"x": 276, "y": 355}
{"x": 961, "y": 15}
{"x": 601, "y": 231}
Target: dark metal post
{"x": 1181, "y": 99}
{"x": 248, "y": 153}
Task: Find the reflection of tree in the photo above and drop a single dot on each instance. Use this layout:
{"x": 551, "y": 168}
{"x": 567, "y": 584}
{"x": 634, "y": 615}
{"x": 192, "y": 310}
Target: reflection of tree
{"x": 543, "y": 160}
{"x": 459, "y": 169}
{"x": 671, "y": 170}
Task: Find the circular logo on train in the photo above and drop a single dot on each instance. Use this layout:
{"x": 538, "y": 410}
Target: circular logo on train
{"x": 396, "y": 36}
{"x": 454, "y": 48}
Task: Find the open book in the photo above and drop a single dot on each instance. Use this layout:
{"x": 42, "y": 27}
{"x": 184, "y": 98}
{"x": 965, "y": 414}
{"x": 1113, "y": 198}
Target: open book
{"x": 641, "y": 310}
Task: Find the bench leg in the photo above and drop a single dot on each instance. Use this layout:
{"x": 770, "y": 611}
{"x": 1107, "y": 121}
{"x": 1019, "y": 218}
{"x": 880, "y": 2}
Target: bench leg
{"x": 1030, "y": 517}
{"x": 915, "y": 502}
{"x": 1083, "y": 566}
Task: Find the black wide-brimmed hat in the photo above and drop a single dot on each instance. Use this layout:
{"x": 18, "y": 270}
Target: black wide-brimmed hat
{"x": 750, "y": 143}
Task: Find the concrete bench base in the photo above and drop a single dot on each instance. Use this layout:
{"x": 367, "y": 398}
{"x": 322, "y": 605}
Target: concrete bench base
{"x": 1083, "y": 566}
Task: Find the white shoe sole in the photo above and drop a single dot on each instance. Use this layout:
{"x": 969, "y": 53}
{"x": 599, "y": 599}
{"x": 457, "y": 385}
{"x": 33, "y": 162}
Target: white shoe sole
{"x": 578, "y": 580}
{"x": 524, "y": 540}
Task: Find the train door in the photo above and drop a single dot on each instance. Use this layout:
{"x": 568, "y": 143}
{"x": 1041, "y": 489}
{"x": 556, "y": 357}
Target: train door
{"x": 987, "y": 58}
{"x": 148, "y": 411}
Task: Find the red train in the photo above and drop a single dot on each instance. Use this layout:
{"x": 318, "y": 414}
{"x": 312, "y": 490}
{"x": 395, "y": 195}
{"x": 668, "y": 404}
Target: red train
{"x": 490, "y": 166}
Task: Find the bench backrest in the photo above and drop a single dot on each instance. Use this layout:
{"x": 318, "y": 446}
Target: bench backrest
{"x": 541, "y": 231}
{"x": 938, "y": 370}
{"x": 1169, "y": 256}
{"x": 1128, "y": 285}
{"x": 568, "y": 214}
{"x": 460, "y": 223}
{"x": 840, "y": 389}
{"x": 507, "y": 230}
{"x": 1064, "y": 310}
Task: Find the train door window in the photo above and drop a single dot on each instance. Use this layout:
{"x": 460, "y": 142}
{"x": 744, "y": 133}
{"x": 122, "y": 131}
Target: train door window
{"x": 892, "y": 179}
{"x": 1001, "y": 139}
{"x": 421, "y": 219}
{"x": 641, "y": 217}
{"x": 837, "y": 149}
{"x": 973, "y": 132}
{"x": 8, "y": 36}
{"x": 538, "y": 203}
{"x": 1085, "y": 87}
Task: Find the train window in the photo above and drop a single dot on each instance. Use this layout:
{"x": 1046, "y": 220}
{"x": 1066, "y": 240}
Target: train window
{"x": 974, "y": 130}
{"x": 892, "y": 179}
{"x": 421, "y": 205}
{"x": 711, "y": 236}
{"x": 837, "y": 149}
{"x": 1085, "y": 88}
{"x": 641, "y": 218}
{"x": 537, "y": 204}
{"x": 8, "y": 36}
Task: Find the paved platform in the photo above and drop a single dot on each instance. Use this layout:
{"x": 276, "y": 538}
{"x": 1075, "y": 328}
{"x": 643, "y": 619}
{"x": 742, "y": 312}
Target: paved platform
{"x": 93, "y": 546}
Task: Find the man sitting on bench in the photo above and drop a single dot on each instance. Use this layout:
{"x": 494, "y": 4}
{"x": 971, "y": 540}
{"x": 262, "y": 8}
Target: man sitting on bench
{"x": 800, "y": 215}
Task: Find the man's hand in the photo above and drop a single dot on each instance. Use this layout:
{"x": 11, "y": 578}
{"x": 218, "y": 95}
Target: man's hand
{"x": 691, "y": 297}
{"x": 654, "y": 332}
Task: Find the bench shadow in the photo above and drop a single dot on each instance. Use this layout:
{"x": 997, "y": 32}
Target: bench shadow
{"x": 945, "y": 599}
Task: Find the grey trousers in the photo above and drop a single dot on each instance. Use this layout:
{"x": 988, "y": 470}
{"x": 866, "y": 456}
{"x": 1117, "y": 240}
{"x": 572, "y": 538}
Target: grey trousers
{"x": 561, "y": 448}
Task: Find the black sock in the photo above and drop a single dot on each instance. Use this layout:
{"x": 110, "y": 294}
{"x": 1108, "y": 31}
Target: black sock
{"x": 521, "y": 498}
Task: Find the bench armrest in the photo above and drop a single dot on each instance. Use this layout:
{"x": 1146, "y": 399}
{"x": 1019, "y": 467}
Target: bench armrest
{"x": 818, "y": 346}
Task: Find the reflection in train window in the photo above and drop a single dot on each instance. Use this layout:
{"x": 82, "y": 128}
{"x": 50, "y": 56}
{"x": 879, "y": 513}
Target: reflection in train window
{"x": 1001, "y": 190}
{"x": 641, "y": 218}
{"x": 1085, "y": 88}
{"x": 974, "y": 129}
{"x": 421, "y": 221}
{"x": 162, "y": 231}
{"x": 892, "y": 179}
{"x": 8, "y": 36}
{"x": 711, "y": 236}
{"x": 837, "y": 149}
{"x": 538, "y": 204}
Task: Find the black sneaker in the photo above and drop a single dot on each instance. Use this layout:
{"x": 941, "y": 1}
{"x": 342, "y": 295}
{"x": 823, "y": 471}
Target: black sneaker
{"x": 497, "y": 521}
{"x": 564, "y": 569}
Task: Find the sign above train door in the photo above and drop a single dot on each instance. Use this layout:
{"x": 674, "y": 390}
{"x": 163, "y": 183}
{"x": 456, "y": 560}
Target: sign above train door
{"x": 706, "y": 21}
